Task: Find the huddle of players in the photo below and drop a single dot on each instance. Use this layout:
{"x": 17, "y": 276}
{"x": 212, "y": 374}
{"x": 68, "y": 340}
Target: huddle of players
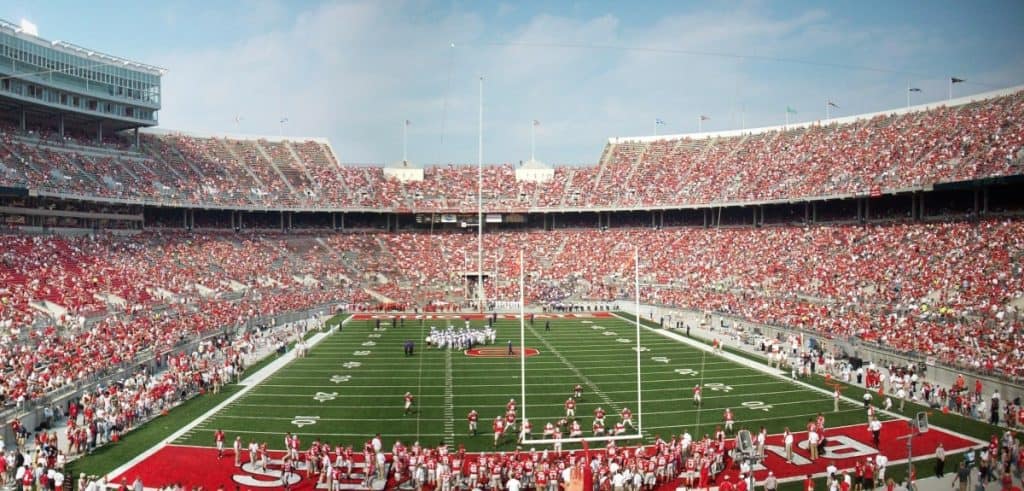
{"x": 506, "y": 425}
{"x": 460, "y": 339}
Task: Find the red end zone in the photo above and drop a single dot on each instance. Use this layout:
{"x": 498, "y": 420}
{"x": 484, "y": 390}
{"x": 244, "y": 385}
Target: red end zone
{"x": 499, "y": 352}
{"x": 199, "y": 466}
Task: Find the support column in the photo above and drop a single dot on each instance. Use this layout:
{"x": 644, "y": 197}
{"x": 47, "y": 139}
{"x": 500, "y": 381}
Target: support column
{"x": 814, "y": 212}
{"x": 984, "y": 200}
{"x": 60, "y": 125}
{"x": 22, "y": 123}
{"x": 137, "y": 145}
{"x": 342, "y": 221}
{"x": 662, "y": 219}
{"x": 184, "y": 219}
{"x": 99, "y": 132}
{"x": 705, "y": 210}
{"x": 921, "y": 203}
{"x": 334, "y": 221}
{"x": 860, "y": 210}
{"x": 280, "y": 215}
{"x": 867, "y": 209}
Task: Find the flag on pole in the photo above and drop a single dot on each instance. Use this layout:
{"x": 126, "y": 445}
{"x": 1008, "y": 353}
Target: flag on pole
{"x": 790, "y": 110}
{"x": 238, "y": 119}
{"x": 659, "y": 121}
{"x": 914, "y": 89}
{"x": 832, "y": 104}
{"x": 954, "y": 80}
{"x": 536, "y": 123}
{"x": 408, "y": 123}
{"x": 284, "y": 120}
{"x": 704, "y": 118}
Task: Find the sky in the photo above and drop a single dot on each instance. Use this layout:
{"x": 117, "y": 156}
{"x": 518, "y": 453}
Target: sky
{"x": 354, "y": 72}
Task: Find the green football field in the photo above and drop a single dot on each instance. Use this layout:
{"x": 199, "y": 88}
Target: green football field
{"x": 351, "y": 386}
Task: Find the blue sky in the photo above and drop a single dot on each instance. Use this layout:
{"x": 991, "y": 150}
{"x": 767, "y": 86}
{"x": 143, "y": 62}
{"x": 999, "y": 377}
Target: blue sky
{"x": 354, "y": 71}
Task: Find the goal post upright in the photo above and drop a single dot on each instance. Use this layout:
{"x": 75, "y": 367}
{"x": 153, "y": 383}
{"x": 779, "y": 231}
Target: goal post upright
{"x": 522, "y": 331}
{"x": 639, "y": 385}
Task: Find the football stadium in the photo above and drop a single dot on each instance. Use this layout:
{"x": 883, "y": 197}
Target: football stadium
{"x": 827, "y": 302}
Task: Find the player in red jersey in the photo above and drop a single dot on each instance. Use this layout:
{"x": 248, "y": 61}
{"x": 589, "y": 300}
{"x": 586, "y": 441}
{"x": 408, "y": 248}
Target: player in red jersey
{"x": 408, "y": 402}
{"x": 696, "y": 395}
{"x": 577, "y": 392}
{"x": 218, "y": 437}
{"x": 627, "y": 417}
{"x": 728, "y": 417}
{"x": 526, "y": 431}
{"x": 498, "y": 427}
{"x": 599, "y": 415}
{"x": 472, "y": 418}
{"x": 570, "y": 408}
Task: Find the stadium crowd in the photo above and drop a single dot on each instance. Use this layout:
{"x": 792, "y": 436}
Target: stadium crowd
{"x": 100, "y": 416}
{"x": 884, "y": 153}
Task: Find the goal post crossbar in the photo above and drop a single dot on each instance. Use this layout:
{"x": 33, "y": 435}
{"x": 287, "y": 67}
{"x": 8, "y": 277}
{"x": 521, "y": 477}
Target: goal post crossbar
{"x": 599, "y": 439}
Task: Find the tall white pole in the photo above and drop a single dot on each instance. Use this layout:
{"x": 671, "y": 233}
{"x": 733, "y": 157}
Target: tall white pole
{"x": 533, "y": 140}
{"x": 639, "y": 393}
{"x": 950, "y": 95}
{"x": 700, "y": 124}
{"x": 522, "y": 331}
{"x": 480, "y": 200}
{"x": 655, "y": 127}
{"x": 908, "y": 94}
{"x": 828, "y": 109}
{"x": 405, "y": 139}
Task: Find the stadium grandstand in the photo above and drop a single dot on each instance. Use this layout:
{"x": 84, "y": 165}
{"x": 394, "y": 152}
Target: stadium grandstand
{"x": 144, "y": 268}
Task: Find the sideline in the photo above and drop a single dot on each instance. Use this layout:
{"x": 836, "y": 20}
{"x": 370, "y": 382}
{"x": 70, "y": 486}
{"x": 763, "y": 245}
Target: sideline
{"x": 247, "y": 384}
{"x": 775, "y": 372}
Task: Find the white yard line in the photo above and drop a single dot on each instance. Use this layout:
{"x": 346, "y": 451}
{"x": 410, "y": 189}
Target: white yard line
{"x": 247, "y": 384}
{"x": 449, "y": 397}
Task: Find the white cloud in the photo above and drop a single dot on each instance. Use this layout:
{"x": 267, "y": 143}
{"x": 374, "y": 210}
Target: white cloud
{"x": 354, "y": 71}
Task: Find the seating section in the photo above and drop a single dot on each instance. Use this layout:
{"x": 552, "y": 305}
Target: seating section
{"x": 884, "y": 153}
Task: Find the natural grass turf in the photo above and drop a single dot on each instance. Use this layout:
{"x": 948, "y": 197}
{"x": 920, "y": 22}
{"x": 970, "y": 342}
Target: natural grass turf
{"x": 109, "y": 457}
{"x": 347, "y": 404}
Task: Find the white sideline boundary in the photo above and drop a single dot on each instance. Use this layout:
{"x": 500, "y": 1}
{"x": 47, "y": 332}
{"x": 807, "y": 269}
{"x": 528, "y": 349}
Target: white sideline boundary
{"x": 247, "y": 384}
{"x": 776, "y": 373}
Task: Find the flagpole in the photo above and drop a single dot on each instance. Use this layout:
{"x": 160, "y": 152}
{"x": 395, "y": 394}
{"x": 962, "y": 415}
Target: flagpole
{"x": 480, "y": 199}
{"x": 908, "y": 95}
{"x": 405, "y": 139}
{"x": 655, "y": 127}
{"x": 700, "y": 124}
{"x": 828, "y": 110}
{"x": 950, "y": 89}
{"x": 533, "y": 140}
